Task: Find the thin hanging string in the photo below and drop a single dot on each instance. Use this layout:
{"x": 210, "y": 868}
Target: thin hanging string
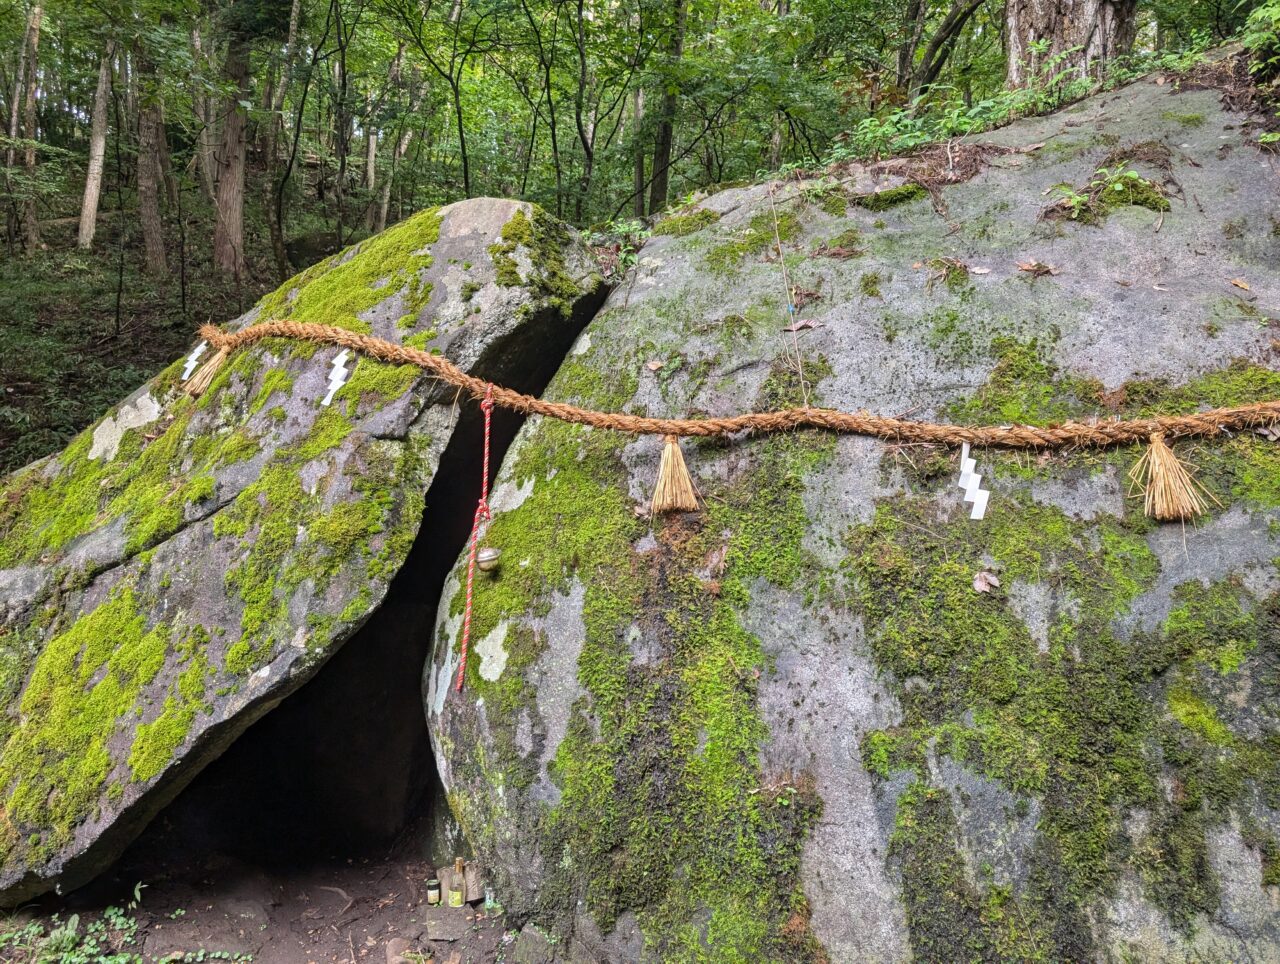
{"x": 483, "y": 515}
{"x": 791, "y": 305}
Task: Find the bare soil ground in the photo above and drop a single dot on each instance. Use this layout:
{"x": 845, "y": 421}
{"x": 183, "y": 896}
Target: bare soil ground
{"x": 220, "y": 908}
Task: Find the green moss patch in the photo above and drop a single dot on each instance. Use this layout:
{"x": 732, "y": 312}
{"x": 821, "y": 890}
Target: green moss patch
{"x": 545, "y": 241}
{"x": 338, "y": 290}
{"x": 664, "y": 808}
{"x": 890, "y": 197}
{"x": 761, "y": 234}
{"x": 1078, "y": 721}
{"x": 81, "y": 693}
{"x": 678, "y": 225}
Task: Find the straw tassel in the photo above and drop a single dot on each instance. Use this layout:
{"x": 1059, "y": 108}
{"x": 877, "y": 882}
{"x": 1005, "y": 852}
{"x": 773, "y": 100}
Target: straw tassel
{"x": 674, "y": 491}
{"x": 1169, "y": 491}
{"x": 198, "y": 382}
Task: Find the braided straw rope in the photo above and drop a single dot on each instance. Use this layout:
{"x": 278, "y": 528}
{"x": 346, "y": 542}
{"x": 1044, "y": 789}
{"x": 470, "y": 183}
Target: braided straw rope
{"x": 1065, "y": 435}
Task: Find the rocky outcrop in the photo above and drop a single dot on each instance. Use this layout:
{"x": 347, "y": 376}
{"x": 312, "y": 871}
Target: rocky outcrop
{"x": 807, "y": 720}
{"x": 186, "y": 564}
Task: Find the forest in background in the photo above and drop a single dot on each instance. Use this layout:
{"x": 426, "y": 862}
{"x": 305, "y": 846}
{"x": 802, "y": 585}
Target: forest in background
{"x": 165, "y": 162}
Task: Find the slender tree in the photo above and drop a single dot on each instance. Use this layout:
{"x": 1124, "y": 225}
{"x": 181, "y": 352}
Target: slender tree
{"x": 228, "y": 230}
{"x": 30, "y": 212}
{"x": 97, "y": 150}
{"x": 665, "y": 138}
{"x": 150, "y": 169}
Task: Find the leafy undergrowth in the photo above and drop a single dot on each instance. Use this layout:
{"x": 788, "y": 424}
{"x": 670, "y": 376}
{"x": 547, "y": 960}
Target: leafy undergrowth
{"x": 928, "y": 120}
{"x": 64, "y": 360}
{"x": 111, "y": 938}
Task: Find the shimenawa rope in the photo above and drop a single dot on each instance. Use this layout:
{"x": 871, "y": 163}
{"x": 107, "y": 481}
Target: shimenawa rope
{"x": 1096, "y": 434}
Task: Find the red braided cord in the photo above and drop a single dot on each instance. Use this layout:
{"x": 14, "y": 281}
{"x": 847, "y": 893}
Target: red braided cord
{"x": 482, "y": 515}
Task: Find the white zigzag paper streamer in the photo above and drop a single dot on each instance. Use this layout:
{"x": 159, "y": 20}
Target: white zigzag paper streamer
{"x": 194, "y": 359}
{"x": 337, "y": 376}
{"x": 971, "y": 482}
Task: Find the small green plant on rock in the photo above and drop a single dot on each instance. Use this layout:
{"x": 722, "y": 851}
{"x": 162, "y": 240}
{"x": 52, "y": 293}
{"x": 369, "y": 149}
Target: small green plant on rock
{"x": 1109, "y": 188}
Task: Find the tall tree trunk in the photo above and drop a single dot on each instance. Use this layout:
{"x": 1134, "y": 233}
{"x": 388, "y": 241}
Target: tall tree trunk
{"x": 30, "y": 216}
{"x": 166, "y": 159}
{"x": 207, "y": 136}
{"x": 149, "y": 170}
{"x": 15, "y": 103}
{"x": 667, "y": 112}
{"x": 275, "y": 125}
{"x": 97, "y": 151}
{"x": 638, "y": 178}
{"x": 1094, "y": 31}
{"x": 914, "y": 23}
{"x": 417, "y": 89}
{"x": 369, "y": 182}
{"x": 228, "y": 230}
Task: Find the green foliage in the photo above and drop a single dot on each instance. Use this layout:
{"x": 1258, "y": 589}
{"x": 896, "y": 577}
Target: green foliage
{"x": 110, "y": 937}
{"x": 1261, "y": 37}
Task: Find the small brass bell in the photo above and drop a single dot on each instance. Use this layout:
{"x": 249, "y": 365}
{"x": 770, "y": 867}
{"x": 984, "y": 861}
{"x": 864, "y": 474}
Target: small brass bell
{"x": 487, "y": 558}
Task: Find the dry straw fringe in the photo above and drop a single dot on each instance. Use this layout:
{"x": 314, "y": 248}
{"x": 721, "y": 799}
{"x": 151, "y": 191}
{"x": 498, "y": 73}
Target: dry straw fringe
{"x": 201, "y": 380}
{"x": 1170, "y": 493}
{"x": 674, "y": 491}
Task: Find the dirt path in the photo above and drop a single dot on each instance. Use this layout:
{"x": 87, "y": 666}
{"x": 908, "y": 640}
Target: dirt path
{"x": 346, "y": 913}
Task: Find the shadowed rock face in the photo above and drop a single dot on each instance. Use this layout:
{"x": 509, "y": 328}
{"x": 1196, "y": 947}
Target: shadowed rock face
{"x": 185, "y": 565}
{"x": 790, "y": 722}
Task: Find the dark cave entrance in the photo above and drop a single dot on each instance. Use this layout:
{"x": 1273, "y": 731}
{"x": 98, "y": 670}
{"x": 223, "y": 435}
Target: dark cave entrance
{"x": 342, "y": 770}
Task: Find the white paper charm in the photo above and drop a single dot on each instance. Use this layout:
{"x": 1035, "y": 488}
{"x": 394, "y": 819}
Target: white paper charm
{"x": 337, "y": 376}
{"x": 194, "y": 359}
{"x": 971, "y": 482}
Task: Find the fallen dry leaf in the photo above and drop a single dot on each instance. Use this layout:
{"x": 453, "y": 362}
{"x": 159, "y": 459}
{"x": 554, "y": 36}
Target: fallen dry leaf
{"x": 1241, "y": 283}
{"x": 1037, "y": 269}
{"x": 984, "y": 580}
{"x": 979, "y": 271}
{"x": 802, "y": 324}
{"x": 654, "y": 365}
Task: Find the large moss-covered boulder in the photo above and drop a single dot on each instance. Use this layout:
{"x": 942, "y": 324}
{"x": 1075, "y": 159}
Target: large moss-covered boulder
{"x": 830, "y": 714}
{"x": 185, "y": 564}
